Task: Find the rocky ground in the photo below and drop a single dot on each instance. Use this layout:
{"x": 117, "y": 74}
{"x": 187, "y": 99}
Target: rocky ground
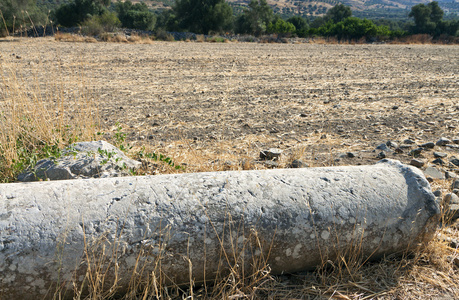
{"x": 215, "y": 106}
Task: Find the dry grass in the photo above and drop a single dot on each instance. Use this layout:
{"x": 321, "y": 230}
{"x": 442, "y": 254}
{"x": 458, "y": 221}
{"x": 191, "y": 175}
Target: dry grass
{"x": 39, "y": 117}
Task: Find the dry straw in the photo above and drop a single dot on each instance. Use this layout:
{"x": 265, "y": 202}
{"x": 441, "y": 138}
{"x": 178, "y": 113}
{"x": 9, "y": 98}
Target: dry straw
{"x": 41, "y": 116}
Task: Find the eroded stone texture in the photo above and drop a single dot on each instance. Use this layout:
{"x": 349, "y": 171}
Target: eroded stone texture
{"x": 298, "y": 216}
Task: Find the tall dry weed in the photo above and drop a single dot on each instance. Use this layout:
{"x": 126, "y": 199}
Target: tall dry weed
{"x": 37, "y": 118}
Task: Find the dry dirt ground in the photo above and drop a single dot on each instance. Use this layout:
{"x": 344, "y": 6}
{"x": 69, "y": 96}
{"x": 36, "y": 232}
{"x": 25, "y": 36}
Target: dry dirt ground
{"x": 215, "y": 106}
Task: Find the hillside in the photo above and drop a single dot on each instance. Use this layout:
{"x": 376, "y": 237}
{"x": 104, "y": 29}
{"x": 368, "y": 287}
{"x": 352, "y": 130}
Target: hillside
{"x": 308, "y": 8}
{"x": 360, "y": 8}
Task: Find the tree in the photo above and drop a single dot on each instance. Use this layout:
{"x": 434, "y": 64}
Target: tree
{"x": 18, "y": 13}
{"x": 428, "y": 18}
{"x": 76, "y": 12}
{"x": 203, "y": 16}
{"x": 255, "y": 18}
{"x": 300, "y": 24}
{"x": 136, "y": 16}
{"x": 353, "y": 28}
{"x": 281, "y": 27}
{"x": 338, "y": 13}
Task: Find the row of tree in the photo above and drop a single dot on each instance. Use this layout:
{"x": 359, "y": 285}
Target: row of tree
{"x": 216, "y": 16}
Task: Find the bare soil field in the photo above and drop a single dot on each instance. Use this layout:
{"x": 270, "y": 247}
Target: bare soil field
{"x": 215, "y": 106}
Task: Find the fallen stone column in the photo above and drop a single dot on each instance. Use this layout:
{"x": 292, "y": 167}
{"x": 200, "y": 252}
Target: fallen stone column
{"x": 58, "y": 233}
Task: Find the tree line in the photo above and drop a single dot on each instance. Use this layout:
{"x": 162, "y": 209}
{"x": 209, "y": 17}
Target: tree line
{"x": 216, "y": 17}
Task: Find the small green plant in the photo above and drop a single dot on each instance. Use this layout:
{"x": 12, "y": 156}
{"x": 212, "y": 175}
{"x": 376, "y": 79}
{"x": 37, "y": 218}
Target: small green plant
{"x": 120, "y": 139}
{"x": 158, "y": 157}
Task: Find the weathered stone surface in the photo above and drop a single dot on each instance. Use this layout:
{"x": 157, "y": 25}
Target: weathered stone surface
{"x": 97, "y": 159}
{"x": 417, "y": 163}
{"x": 443, "y": 141}
{"x": 300, "y": 217}
{"x": 270, "y": 154}
{"x": 428, "y": 145}
{"x": 435, "y": 173}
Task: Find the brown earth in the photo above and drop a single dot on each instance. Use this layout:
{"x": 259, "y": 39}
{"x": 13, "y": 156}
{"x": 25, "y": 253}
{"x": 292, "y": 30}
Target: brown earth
{"x": 215, "y": 106}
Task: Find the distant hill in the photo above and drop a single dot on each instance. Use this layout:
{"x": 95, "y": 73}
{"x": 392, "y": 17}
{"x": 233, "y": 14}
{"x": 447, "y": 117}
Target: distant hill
{"x": 312, "y": 8}
{"x": 308, "y": 8}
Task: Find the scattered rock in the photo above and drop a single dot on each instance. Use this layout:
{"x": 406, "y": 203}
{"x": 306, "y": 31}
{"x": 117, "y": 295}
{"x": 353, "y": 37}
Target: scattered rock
{"x": 452, "y": 203}
{"x": 454, "y": 161}
{"x": 398, "y": 150}
{"x": 381, "y": 155}
{"x": 443, "y": 141}
{"x": 455, "y": 184}
{"x": 438, "y": 161}
{"x": 440, "y": 154}
{"x": 428, "y": 145}
{"x": 392, "y": 144}
{"x": 437, "y": 193}
{"x": 451, "y": 199}
{"x": 351, "y": 154}
{"x": 416, "y": 152}
{"x": 298, "y": 163}
{"x": 270, "y": 154}
{"x": 383, "y": 147}
{"x": 417, "y": 163}
{"x": 456, "y": 140}
{"x": 409, "y": 142}
{"x": 403, "y": 146}
{"x": 449, "y": 175}
{"x": 434, "y": 173}
{"x": 83, "y": 160}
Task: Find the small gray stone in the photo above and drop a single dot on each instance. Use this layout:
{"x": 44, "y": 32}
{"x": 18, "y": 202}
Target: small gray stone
{"x": 298, "y": 163}
{"x": 351, "y": 154}
{"x": 408, "y": 142}
{"x": 438, "y": 161}
{"x": 451, "y": 199}
{"x": 398, "y": 150}
{"x": 428, "y": 145}
{"x": 454, "y": 161}
{"x": 450, "y": 175}
{"x": 270, "y": 154}
{"x": 443, "y": 141}
{"x": 434, "y": 173}
{"x": 456, "y": 140}
{"x": 440, "y": 154}
{"x": 437, "y": 193}
{"x": 381, "y": 155}
{"x": 383, "y": 147}
{"x": 392, "y": 144}
{"x": 405, "y": 146}
{"x": 456, "y": 184}
{"x": 416, "y": 152}
{"x": 417, "y": 163}
{"x": 452, "y": 146}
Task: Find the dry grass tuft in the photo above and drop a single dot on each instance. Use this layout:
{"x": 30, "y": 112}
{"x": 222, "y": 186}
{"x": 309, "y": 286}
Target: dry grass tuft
{"x": 67, "y": 37}
{"x": 38, "y": 118}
